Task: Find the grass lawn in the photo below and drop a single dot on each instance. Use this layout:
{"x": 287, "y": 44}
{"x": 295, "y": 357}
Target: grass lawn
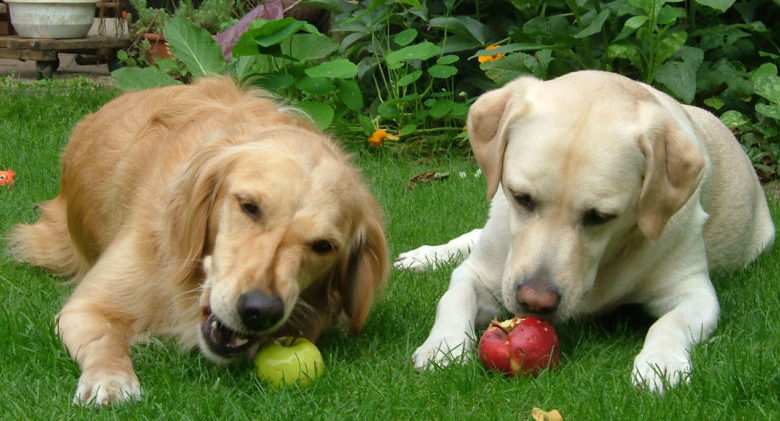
{"x": 735, "y": 373}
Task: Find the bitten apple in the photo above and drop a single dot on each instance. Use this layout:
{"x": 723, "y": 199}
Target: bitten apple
{"x": 520, "y": 345}
{"x": 288, "y": 360}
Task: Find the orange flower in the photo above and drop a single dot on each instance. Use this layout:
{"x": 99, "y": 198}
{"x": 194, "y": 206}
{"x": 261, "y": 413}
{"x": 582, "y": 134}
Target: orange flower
{"x": 494, "y": 57}
{"x": 379, "y": 136}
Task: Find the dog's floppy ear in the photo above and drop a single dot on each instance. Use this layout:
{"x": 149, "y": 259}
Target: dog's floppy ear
{"x": 364, "y": 273}
{"x": 674, "y": 168}
{"x": 489, "y": 119}
{"x": 189, "y": 204}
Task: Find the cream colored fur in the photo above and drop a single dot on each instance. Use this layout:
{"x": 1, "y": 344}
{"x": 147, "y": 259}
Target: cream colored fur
{"x": 604, "y": 191}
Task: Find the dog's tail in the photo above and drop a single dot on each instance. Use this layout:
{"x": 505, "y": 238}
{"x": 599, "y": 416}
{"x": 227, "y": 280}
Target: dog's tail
{"x": 47, "y": 243}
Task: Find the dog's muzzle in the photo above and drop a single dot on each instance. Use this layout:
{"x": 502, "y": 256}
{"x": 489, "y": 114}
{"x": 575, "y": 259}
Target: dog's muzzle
{"x": 538, "y": 299}
{"x": 222, "y": 341}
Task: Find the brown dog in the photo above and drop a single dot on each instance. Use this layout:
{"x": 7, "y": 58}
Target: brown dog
{"x": 208, "y": 214}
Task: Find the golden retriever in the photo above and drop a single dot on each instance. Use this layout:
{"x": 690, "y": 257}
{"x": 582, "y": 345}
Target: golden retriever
{"x": 206, "y": 213}
{"x": 605, "y": 191}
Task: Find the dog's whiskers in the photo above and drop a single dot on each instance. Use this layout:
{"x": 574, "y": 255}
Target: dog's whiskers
{"x": 301, "y": 316}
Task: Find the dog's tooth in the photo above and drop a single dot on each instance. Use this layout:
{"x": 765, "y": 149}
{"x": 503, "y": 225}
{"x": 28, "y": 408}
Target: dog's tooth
{"x": 214, "y": 325}
{"x": 239, "y": 342}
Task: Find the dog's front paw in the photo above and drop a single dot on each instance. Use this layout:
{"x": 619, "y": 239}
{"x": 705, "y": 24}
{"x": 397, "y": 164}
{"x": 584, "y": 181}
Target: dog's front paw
{"x": 421, "y": 259}
{"x": 441, "y": 351}
{"x": 104, "y": 388}
{"x": 655, "y": 369}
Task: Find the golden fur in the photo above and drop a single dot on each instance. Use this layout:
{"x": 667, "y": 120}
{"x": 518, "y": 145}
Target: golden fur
{"x": 176, "y": 202}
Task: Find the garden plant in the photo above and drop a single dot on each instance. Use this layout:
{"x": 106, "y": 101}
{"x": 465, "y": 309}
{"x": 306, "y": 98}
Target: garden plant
{"x": 412, "y": 68}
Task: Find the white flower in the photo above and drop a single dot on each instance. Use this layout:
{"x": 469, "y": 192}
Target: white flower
{"x": 462, "y": 174}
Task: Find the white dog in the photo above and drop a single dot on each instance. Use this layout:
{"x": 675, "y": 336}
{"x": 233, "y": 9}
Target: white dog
{"x": 604, "y": 191}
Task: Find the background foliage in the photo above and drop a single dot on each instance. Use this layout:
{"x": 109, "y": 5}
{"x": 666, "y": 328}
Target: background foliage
{"x": 413, "y": 67}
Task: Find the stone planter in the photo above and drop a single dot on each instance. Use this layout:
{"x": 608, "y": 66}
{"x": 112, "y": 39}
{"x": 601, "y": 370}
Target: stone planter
{"x": 52, "y": 18}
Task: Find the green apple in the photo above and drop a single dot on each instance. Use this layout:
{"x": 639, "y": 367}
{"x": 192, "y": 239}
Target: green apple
{"x": 288, "y": 360}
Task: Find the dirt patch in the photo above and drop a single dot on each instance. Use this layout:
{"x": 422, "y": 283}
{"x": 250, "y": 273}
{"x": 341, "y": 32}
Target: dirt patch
{"x": 68, "y": 69}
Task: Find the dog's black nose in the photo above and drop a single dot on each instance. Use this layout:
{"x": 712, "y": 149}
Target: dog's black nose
{"x": 536, "y": 299}
{"x": 259, "y": 311}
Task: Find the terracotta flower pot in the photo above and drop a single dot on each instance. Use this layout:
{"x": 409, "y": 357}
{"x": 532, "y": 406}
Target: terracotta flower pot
{"x": 158, "y": 48}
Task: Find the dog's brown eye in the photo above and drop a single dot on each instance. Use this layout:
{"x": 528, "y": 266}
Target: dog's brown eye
{"x": 525, "y": 200}
{"x": 322, "y": 246}
{"x": 249, "y": 207}
{"x": 594, "y": 217}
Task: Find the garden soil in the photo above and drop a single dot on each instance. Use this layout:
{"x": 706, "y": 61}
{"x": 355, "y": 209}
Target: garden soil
{"x": 68, "y": 69}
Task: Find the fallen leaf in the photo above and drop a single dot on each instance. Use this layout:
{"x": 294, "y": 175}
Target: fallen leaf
{"x": 7, "y": 178}
{"x": 425, "y": 177}
{"x": 540, "y": 415}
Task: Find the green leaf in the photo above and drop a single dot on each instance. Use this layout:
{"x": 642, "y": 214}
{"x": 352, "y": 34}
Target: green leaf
{"x": 595, "y": 26}
{"x": 409, "y": 78}
{"x": 194, "y": 47}
{"x": 510, "y": 67}
{"x": 311, "y": 47}
{"x": 544, "y": 57}
{"x": 405, "y": 37}
{"x": 645, "y": 5}
{"x": 320, "y": 112}
{"x": 464, "y": 26}
{"x": 275, "y": 82}
{"x": 407, "y": 129}
{"x": 413, "y": 3}
{"x": 245, "y": 46}
{"x": 669, "y": 45}
{"x": 734, "y": 119}
{"x": 440, "y": 108}
{"x": 766, "y": 83}
{"x": 714, "y": 102}
{"x": 721, "y": 5}
{"x": 314, "y": 85}
{"x": 269, "y": 33}
{"x": 138, "y": 78}
{"x": 350, "y": 94}
{"x": 626, "y": 51}
{"x": 771, "y": 111}
{"x": 719, "y": 36}
{"x": 421, "y": 51}
{"x": 668, "y": 15}
{"x": 389, "y": 108}
{"x": 272, "y": 32}
{"x": 680, "y": 76}
{"x": 441, "y": 71}
{"x": 511, "y": 48}
{"x": 168, "y": 65}
{"x": 365, "y": 124}
{"x": 448, "y": 59}
{"x": 244, "y": 67}
{"x": 635, "y": 22}
{"x": 457, "y": 43}
{"x": 338, "y": 69}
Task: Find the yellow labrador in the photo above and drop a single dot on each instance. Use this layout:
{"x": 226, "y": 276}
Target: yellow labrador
{"x": 209, "y": 214}
{"x": 604, "y": 191}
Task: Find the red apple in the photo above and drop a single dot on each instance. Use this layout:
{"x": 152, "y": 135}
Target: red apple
{"x": 520, "y": 345}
